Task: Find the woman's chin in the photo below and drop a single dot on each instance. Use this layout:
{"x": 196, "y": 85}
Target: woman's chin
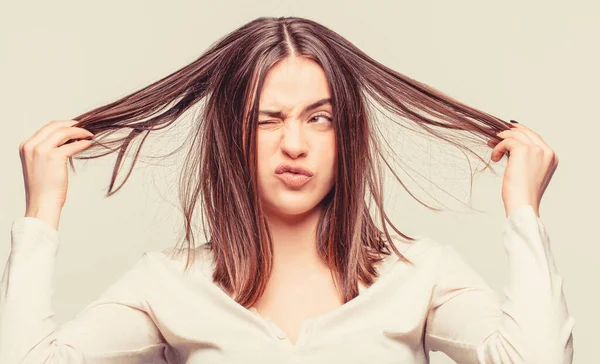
{"x": 292, "y": 207}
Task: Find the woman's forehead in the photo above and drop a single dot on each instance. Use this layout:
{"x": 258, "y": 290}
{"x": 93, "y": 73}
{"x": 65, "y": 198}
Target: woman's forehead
{"x": 293, "y": 84}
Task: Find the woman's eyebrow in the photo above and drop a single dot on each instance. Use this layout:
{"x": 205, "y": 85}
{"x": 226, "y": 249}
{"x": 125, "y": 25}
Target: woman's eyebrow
{"x": 281, "y": 115}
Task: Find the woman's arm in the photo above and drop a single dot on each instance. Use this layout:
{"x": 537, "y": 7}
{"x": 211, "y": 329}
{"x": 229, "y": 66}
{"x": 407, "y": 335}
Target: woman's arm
{"x": 532, "y": 324}
{"x": 113, "y": 329}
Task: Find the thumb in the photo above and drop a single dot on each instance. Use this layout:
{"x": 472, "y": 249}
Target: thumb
{"x": 72, "y": 148}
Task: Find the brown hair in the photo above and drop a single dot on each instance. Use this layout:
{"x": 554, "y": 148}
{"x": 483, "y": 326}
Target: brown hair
{"x": 220, "y": 165}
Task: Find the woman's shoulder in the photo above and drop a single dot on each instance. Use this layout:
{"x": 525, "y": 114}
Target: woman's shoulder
{"x": 176, "y": 258}
{"x": 423, "y": 248}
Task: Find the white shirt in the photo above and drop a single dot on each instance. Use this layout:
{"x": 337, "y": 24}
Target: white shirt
{"x": 155, "y": 313}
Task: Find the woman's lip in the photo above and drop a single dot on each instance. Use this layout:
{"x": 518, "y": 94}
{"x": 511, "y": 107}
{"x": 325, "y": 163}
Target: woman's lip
{"x": 293, "y": 179}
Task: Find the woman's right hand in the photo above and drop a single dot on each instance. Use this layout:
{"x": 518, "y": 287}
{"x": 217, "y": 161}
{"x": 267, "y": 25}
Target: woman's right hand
{"x": 44, "y": 159}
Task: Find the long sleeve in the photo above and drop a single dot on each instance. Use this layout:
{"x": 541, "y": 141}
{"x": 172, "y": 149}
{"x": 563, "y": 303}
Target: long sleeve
{"x": 116, "y": 328}
{"x": 468, "y": 322}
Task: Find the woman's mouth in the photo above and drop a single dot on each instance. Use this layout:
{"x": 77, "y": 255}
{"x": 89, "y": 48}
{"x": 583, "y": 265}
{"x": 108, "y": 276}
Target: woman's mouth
{"x": 293, "y": 179}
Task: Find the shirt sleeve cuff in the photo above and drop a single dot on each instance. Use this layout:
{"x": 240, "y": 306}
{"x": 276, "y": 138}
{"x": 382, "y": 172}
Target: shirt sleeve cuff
{"x": 27, "y": 225}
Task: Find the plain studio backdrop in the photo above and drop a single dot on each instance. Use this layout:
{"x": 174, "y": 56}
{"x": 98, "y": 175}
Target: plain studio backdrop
{"x": 535, "y": 61}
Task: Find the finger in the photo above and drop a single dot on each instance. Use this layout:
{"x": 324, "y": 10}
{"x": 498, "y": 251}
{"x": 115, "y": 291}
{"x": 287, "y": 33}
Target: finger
{"x": 505, "y": 146}
{"x": 493, "y": 142}
{"x": 44, "y": 131}
{"x": 500, "y": 136}
{"x": 61, "y": 135}
{"x": 535, "y": 137}
{"x": 75, "y": 147}
{"x": 516, "y": 134}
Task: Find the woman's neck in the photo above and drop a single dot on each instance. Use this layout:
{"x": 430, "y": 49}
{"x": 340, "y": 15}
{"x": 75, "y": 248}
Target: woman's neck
{"x": 295, "y": 239}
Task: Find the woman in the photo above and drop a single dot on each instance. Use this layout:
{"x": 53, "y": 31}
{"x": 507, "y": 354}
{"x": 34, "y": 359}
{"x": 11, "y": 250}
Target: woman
{"x": 296, "y": 269}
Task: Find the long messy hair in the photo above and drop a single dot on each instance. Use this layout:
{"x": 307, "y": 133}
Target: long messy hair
{"x": 220, "y": 164}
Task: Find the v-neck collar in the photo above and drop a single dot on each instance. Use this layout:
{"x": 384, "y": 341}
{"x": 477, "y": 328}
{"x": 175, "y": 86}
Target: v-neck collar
{"x": 275, "y": 332}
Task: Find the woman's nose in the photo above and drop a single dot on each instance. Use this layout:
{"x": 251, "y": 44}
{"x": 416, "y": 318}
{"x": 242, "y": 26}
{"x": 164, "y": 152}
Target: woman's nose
{"x": 293, "y": 141}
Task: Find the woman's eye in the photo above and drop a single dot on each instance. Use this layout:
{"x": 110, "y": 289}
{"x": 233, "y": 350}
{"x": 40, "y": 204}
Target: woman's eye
{"x": 311, "y": 119}
{"x": 321, "y": 116}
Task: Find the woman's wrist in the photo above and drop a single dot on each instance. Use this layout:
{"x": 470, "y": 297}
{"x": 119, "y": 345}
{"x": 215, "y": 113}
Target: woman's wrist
{"x": 50, "y": 215}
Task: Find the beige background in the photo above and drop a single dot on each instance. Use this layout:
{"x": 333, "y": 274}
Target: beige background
{"x": 534, "y": 61}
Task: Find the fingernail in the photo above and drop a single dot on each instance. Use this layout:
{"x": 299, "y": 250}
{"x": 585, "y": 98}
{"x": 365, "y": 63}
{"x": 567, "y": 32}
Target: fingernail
{"x": 514, "y": 121}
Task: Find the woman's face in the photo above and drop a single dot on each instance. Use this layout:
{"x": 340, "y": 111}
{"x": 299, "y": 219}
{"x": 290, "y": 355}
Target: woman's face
{"x": 288, "y": 133}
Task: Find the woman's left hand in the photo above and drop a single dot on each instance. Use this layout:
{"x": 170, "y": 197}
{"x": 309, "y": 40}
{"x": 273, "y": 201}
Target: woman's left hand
{"x": 531, "y": 164}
